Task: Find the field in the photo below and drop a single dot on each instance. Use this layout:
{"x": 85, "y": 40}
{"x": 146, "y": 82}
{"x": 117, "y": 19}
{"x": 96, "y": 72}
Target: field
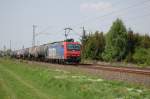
{"x": 21, "y": 80}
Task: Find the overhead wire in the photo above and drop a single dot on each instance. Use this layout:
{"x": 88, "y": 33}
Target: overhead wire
{"x": 129, "y": 7}
{"x": 103, "y": 16}
{"x": 116, "y": 3}
{"x": 130, "y": 18}
{"x": 107, "y": 14}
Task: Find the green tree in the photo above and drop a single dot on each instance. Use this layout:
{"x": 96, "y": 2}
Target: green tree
{"x": 95, "y": 46}
{"x": 116, "y": 42}
{"x": 99, "y": 45}
{"x": 89, "y": 47}
{"x": 145, "y": 42}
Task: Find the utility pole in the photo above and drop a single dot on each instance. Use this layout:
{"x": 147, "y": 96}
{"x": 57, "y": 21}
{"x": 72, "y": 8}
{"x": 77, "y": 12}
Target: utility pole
{"x": 83, "y": 38}
{"x": 33, "y": 42}
{"x": 83, "y": 34}
{"x": 23, "y": 47}
{"x": 67, "y": 32}
{"x": 10, "y": 44}
{"x": 4, "y": 48}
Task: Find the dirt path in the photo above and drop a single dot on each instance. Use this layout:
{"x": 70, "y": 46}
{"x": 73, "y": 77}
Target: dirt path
{"x": 25, "y": 83}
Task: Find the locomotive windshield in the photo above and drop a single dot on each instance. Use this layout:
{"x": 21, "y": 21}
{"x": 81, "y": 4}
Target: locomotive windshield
{"x": 73, "y": 47}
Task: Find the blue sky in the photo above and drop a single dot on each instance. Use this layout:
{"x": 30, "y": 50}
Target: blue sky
{"x": 52, "y": 16}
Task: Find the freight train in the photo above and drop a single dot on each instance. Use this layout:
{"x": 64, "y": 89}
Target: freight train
{"x": 62, "y": 52}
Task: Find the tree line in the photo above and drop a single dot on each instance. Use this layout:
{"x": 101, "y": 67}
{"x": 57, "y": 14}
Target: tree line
{"x": 118, "y": 45}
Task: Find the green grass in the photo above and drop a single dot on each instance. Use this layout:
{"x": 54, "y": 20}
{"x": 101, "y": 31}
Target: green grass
{"x": 19, "y": 80}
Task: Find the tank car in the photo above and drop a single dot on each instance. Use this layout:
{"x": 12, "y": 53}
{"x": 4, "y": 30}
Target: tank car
{"x": 26, "y": 53}
{"x": 33, "y": 52}
{"x": 42, "y": 51}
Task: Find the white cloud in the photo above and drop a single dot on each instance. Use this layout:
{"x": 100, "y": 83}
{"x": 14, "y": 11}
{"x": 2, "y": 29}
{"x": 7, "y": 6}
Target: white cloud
{"x": 99, "y": 6}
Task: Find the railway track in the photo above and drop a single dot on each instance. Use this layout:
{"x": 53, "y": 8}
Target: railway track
{"x": 143, "y": 71}
{"x": 134, "y": 70}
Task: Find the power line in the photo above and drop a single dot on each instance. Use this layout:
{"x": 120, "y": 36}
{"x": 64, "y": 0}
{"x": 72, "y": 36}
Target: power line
{"x": 131, "y": 6}
{"x": 122, "y": 14}
{"x": 135, "y": 19}
{"x": 114, "y": 4}
{"x": 42, "y": 32}
{"x": 120, "y": 10}
{"x": 126, "y": 8}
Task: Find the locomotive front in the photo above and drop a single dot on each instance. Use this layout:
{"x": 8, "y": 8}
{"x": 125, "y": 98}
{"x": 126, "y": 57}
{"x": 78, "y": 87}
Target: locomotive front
{"x": 72, "y": 52}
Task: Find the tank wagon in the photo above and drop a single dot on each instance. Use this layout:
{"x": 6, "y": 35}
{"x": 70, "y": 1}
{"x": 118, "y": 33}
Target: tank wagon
{"x": 57, "y": 52}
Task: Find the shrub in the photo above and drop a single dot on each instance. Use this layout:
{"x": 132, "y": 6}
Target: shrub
{"x": 142, "y": 56}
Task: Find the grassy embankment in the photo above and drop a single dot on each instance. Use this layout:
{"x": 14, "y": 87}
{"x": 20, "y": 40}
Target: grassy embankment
{"x": 20, "y": 80}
